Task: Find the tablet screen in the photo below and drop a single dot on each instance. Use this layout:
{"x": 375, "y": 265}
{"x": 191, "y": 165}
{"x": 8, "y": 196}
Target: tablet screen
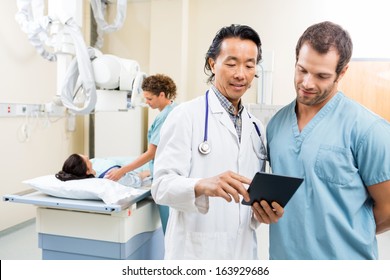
{"x": 272, "y": 187}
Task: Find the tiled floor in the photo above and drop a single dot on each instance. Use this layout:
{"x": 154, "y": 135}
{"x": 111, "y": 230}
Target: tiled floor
{"x": 22, "y": 243}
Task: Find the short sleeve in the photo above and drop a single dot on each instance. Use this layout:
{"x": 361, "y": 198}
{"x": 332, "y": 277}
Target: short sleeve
{"x": 154, "y": 135}
{"x": 373, "y": 154}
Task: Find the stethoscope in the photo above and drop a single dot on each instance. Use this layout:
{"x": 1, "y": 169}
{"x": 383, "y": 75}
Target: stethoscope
{"x": 204, "y": 147}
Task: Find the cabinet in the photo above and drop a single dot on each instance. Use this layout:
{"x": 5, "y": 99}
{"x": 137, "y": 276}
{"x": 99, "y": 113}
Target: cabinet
{"x": 368, "y": 82}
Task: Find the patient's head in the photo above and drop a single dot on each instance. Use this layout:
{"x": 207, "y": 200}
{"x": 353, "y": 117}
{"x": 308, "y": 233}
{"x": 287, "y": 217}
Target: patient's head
{"x": 76, "y": 167}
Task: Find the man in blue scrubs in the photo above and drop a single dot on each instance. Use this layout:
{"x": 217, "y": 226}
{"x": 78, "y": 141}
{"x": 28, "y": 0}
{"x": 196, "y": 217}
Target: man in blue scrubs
{"x": 342, "y": 151}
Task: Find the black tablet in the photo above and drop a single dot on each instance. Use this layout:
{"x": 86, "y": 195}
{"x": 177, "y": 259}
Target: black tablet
{"x": 272, "y": 187}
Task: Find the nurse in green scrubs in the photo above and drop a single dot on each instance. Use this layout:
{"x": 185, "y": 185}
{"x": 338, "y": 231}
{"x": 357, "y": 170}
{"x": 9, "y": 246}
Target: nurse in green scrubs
{"x": 159, "y": 92}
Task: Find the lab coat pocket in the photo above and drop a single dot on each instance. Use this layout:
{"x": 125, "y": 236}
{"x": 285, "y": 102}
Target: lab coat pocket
{"x": 207, "y": 245}
{"x": 335, "y": 165}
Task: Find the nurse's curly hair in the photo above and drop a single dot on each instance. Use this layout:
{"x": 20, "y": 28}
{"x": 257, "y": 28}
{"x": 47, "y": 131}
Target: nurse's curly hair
{"x": 243, "y": 32}
{"x": 160, "y": 83}
{"x": 74, "y": 168}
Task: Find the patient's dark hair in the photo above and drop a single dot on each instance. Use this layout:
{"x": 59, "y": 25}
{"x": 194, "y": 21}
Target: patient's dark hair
{"x": 74, "y": 168}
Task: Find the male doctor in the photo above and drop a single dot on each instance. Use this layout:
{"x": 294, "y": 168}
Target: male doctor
{"x": 210, "y": 149}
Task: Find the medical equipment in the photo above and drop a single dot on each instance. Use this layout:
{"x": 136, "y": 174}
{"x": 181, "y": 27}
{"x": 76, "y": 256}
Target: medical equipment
{"x": 98, "y": 8}
{"x": 204, "y": 147}
{"x": 111, "y": 74}
{"x": 46, "y": 31}
{"x": 120, "y": 133}
{"x": 78, "y": 66}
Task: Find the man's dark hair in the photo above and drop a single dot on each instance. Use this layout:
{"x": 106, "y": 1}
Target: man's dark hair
{"x": 326, "y": 35}
{"x": 243, "y": 32}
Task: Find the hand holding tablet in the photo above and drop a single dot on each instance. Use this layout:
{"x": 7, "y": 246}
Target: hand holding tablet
{"x": 272, "y": 187}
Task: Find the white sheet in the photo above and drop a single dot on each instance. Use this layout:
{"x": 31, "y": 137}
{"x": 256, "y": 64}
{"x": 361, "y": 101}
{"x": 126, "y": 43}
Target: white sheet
{"x": 109, "y": 191}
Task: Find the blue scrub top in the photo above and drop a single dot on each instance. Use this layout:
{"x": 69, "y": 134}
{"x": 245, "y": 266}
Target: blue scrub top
{"x": 340, "y": 152}
{"x": 154, "y": 130}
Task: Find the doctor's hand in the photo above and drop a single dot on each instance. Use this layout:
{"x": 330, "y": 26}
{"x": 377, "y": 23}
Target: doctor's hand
{"x": 228, "y": 185}
{"x": 267, "y": 214}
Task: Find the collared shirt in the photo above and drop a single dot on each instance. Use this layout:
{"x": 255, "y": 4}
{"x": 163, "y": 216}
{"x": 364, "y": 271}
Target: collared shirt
{"x": 229, "y": 107}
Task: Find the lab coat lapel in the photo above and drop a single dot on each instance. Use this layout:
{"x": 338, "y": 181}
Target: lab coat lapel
{"x": 247, "y": 126}
{"x": 220, "y": 113}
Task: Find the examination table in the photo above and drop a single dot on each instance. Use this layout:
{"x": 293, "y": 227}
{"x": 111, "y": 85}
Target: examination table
{"x": 71, "y": 229}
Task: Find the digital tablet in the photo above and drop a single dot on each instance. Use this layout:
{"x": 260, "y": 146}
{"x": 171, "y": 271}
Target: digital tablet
{"x": 272, "y": 187}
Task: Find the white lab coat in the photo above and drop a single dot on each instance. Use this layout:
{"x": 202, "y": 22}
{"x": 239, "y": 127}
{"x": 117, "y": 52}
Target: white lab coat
{"x": 206, "y": 227}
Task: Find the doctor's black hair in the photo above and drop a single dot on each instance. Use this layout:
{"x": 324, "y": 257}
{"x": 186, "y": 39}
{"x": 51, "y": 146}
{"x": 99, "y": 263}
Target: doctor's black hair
{"x": 243, "y": 32}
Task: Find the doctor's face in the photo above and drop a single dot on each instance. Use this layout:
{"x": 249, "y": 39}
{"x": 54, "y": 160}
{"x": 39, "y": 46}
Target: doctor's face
{"x": 234, "y": 68}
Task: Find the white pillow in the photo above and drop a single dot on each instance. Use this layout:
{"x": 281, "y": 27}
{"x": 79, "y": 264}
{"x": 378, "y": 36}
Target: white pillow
{"x": 109, "y": 191}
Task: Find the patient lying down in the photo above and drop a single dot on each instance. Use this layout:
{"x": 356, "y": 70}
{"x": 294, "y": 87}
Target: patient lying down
{"x": 78, "y": 166}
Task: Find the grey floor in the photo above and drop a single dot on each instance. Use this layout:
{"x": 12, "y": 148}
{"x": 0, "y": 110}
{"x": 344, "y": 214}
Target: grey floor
{"x": 21, "y": 243}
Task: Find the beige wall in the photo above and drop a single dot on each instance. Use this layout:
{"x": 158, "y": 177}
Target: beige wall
{"x": 132, "y": 41}
{"x": 180, "y": 32}
{"x": 27, "y": 78}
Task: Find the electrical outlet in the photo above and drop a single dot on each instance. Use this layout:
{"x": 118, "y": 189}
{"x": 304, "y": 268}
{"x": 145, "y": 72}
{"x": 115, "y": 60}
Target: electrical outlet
{"x": 20, "y": 109}
{"x": 7, "y": 110}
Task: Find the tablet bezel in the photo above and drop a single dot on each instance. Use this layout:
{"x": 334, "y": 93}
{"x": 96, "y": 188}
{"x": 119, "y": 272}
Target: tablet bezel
{"x": 272, "y": 187}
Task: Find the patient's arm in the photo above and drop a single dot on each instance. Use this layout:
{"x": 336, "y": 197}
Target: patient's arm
{"x": 144, "y": 174}
{"x": 138, "y": 162}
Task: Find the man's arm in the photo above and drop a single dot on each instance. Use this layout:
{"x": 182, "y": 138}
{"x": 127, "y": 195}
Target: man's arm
{"x": 380, "y": 193}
